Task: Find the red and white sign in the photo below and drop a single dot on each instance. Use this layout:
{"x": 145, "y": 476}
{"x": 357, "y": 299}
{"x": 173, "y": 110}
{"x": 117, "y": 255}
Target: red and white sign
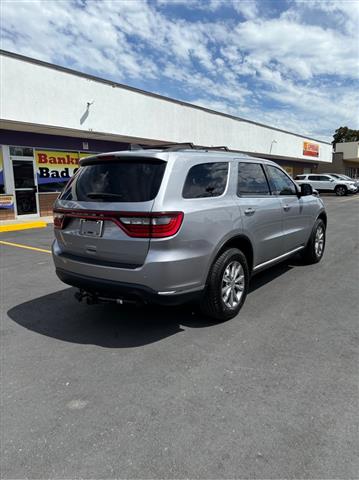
{"x": 310, "y": 149}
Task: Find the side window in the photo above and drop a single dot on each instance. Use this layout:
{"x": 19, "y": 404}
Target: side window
{"x": 300, "y": 177}
{"x": 324, "y": 178}
{"x": 280, "y": 184}
{"x": 206, "y": 180}
{"x": 251, "y": 180}
{"x": 314, "y": 178}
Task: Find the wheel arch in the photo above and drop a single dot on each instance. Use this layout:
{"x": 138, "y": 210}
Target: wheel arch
{"x": 341, "y": 185}
{"x": 323, "y": 216}
{"x": 240, "y": 241}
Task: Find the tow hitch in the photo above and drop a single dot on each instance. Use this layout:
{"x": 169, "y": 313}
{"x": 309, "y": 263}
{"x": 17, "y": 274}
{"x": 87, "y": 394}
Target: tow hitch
{"x": 93, "y": 298}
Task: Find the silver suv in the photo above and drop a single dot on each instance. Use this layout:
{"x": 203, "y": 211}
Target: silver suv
{"x": 169, "y": 227}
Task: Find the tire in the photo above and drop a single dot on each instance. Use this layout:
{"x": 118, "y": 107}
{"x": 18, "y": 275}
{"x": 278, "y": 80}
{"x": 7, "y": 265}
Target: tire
{"x": 341, "y": 190}
{"x": 224, "y": 268}
{"x": 312, "y": 253}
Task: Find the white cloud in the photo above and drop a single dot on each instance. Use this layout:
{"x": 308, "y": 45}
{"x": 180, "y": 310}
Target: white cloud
{"x": 295, "y": 70}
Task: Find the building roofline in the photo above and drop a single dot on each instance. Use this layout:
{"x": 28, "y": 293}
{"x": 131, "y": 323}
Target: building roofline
{"x": 149, "y": 94}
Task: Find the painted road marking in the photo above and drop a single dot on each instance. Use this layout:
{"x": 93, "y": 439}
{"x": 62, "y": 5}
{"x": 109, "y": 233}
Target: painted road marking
{"x": 12, "y": 227}
{"x": 10, "y": 244}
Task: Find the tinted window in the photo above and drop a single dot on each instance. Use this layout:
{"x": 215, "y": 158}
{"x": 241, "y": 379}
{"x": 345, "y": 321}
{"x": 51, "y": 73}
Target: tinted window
{"x": 206, "y": 180}
{"x": 52, "y": 186}
{"x": 117, "y": 181}
{"x": 314, "y": 178}
{"x": 300, "y": 177}
{"x": 251, "y": 180}
{"x": 280, "y": 184}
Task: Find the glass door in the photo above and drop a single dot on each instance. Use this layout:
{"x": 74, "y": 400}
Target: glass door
{"x": 25, "y": 187}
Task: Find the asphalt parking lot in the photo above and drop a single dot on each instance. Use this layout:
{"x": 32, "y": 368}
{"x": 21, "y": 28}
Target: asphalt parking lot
{"x": 113, "y": 392}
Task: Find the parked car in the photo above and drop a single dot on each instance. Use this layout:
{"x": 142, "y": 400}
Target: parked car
{"x": 328, "y": 183}
{"x": 345, "y": 177}
{"x": 169, "y": 227}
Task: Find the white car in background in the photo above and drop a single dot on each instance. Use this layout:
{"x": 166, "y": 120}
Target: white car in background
{"x": 327, "y": 183}
{"x": 344, "y": 177}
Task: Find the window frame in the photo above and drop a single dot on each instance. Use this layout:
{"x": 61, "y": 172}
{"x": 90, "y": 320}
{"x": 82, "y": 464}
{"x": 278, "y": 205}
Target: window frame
{"x": 254, "y": 195}
{"x": 229, "y": 170}
{"x": 296, "y": 188}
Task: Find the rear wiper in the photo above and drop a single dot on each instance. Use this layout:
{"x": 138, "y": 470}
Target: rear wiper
{"x": 103, "y": 195}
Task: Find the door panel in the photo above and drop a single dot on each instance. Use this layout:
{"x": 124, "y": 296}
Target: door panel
{"x": 261, "y": 212}
{"x": 296, "y": 221}
{"x": 262, "y": 221}
{"x": 295, "y": 214}
{"x": 26, "y": 202}
{"x": 25, "y": 187}
{"x": 325, "y": 183}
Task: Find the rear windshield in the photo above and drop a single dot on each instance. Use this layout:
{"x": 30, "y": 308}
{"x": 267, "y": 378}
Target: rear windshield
{"x": 117, "y": 181}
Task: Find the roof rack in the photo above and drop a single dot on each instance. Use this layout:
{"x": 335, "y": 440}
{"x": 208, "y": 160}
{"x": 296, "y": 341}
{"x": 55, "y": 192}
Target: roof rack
{"x": 173, "y": 147}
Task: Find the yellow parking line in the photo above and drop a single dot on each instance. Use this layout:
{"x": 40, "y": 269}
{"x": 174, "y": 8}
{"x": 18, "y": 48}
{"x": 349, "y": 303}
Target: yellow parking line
{"x": 24, "y": 246}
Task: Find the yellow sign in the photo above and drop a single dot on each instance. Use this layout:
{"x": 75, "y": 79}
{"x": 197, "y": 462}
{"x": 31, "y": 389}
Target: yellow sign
{"x": 86, "y": 154}
{"x": 55, "y": 166}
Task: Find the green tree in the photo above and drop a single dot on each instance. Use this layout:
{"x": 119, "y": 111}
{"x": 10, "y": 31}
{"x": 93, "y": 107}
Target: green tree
{"x": 345, "y": 134}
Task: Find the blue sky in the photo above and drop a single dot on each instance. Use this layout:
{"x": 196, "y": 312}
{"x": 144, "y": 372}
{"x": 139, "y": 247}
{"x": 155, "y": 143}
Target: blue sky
{"x": 291, "y": 64}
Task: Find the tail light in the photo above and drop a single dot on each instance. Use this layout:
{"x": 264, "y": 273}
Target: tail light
{"x": 59, "y": 219}
{"x": 154, "y": 225}
{"x": 134, "y": 224}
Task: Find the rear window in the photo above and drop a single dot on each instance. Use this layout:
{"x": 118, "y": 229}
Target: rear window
{"x": 206, "y": 180}
{"x": 112, "y": 181}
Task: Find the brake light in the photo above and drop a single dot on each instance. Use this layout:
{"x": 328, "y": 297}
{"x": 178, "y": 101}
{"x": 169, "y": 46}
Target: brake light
{"x": 134, "y": 224}
{"x": 154, "y": 225}
{"x": 59, "y": 219}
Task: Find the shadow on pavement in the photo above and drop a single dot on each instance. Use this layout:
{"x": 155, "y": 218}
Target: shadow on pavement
{"x": 60, "y": 316}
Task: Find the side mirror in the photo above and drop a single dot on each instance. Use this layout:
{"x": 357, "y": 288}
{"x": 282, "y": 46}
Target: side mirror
{"x": 306, "y": 189}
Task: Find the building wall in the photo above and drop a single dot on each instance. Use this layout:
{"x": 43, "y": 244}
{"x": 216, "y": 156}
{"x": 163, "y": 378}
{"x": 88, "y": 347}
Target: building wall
{"x": 39, "y": 95}
{"x": 350, "y": 150}
{"x": 340, "y": 165}
{"x": 336, "y": 166}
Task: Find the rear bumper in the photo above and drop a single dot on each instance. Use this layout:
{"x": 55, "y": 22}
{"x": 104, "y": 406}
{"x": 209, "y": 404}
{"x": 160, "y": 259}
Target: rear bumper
{"x": 165, "y": 270}
{"x": 124, "y": 291}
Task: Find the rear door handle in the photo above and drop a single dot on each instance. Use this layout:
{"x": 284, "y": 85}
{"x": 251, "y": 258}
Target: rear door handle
{"x": 249, "y": 211}
{"x": 286, "y": 208}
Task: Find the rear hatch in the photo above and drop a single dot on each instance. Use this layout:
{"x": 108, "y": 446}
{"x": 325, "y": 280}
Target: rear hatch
{"x": 107, "y": 193}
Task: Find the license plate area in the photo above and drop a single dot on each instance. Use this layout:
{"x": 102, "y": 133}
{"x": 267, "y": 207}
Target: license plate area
{"x": 91, "y": 228}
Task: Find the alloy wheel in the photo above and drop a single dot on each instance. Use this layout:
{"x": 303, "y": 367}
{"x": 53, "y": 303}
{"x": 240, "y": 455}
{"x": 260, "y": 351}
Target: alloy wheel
{"x": 233, "y": 283}
{"x": 319, "y": 241}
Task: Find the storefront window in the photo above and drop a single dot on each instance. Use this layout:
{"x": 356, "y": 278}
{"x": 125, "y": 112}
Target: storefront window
{"x": 21, "y": 151}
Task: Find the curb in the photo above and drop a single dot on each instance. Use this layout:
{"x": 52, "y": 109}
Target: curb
{"x": 11, "y": 227}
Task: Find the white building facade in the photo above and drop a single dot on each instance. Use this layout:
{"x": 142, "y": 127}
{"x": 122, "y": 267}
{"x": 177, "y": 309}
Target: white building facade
{"x": 53, "y": 112}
